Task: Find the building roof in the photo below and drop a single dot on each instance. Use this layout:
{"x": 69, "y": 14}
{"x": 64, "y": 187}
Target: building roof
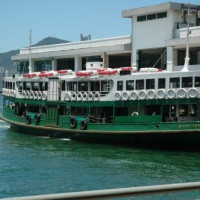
{"x": 157, "y": 8}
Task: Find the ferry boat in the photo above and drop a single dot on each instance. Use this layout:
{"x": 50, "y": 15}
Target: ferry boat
{"x": 124, "y": 104}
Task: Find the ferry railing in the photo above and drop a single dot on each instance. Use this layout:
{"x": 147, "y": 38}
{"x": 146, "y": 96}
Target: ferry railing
{"x": 116, "y": 193}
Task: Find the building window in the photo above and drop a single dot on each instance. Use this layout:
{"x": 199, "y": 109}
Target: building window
{"x": 161, "y": 15}
{"x": 186, "y": 82}
{"x": 141, "y": 18}
{"x": 161, "y": 83}
{"x": 119, "y": 85}
{"x": 197, "y": 81}
{"x": 151, "y": 16}
{"x": 139, "y": 84}
{"x": 174, "y": 83}
{"x": 130, "y": 85}
{"x": 150, "y": 84}
{"x": 43, "y": 65}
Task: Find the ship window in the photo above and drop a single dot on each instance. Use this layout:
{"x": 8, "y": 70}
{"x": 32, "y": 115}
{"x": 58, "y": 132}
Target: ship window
{"x": 161, "y": 15}
{"x": 161, "y": 83}
{"x": 35, "y": 86}
{"x": 174, "y": 83}
{"x": 192, "y": 110}
{"x": 104, "y": 86}
{"x": 13, "y": 86}
{"x": 27, "y": 86}
{"x": 63, "y": 85}
{"x": 173, "y": 111}
{"x": 186, "y": 82}
{"x": 43, "y": 86}
{"x": 74, "y": 86}
{"x": 95, "y": 86}
{"x": 119, "y": 85}
{"x": 197, "y": 81}
{"x": 151, "y": 16}
{"x": 141, "y": 18}
{"x": 69, "y": 86}
{"x": 139, "y": 84}
{"x": 183, "y": 110}
{"x": 150, "y": 84}
{"x": 130, "y": 85}
{"x": 82, "y": 86}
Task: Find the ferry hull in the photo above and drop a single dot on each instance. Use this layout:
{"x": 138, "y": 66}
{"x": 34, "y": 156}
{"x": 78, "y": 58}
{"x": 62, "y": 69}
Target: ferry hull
{"x": 188, "y": 139}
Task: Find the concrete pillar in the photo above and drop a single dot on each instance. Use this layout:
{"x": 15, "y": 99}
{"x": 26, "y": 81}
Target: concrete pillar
{"x": 105, "y": 60}
{"x": 170, "y": 59}
{"x": 77, "y": 63}
{"x": 134, "y": 57}
{"x": 53, "y": 64}
{"x": 32, "y": 65}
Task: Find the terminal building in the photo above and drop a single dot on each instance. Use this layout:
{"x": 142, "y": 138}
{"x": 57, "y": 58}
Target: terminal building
{"x": 158, "y": 39}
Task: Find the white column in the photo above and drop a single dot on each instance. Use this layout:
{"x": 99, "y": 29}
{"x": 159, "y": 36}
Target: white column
{"x": 170, "y": 56}
{"x": 32, "y": 65}
{"x": 77, "y": 63}
{"x": 134, "y": 57}
{"x": 54, "y": 64}
{"x": 105, "y": 60}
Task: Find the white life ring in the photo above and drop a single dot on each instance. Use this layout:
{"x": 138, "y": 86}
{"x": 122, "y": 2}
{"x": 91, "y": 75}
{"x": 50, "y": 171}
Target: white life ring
{"x": 125, "y": 96}
{"x": 151, "y": 94}
{"x": 67, "y": 97}
{"x": 35, "y": 95}
{"x": 118, "y": 96}
{"x": 142, "y": 94}
{"x": 74, "y": 96}
{"x": 134, "y": 95}
{"x": 31, "y": 95}
{"x": 171, "y": 94}
{"x": 161, "y": 93}
{"x": 44, "y": 97}
{"x": 192, "y": 93}
{"x": 40, "y": 95}
{"x": 79, "y": 96}
{"x": 85, "y": 96}
{"x": 96, "y": 96}
{"x": 23, "y": 95}
{"x": 27, "y": 94}
{"x": 134, "y": 114}
{"x": 181, "y": 93}
{"x": 90, "y": 96}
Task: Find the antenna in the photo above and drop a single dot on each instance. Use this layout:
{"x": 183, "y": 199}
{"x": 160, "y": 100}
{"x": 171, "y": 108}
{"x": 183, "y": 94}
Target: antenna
{"x": 30, "y": 40}
{"x": 187, "y": 58}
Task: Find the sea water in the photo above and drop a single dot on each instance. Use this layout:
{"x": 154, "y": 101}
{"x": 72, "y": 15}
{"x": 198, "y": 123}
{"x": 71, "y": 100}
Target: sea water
{"x": 31, "y": 165}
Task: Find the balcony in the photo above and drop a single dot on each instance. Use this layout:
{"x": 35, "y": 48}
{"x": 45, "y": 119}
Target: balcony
{"x": 181, "y": 31}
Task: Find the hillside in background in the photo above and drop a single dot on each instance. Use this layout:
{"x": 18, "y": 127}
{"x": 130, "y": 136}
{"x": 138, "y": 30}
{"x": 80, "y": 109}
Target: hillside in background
{"x": 5, "y": 58}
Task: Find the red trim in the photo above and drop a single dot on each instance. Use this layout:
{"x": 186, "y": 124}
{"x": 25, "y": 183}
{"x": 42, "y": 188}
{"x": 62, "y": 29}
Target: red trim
{"x": 108, "y": 72}
{"x": 84, "y": 73}
{"x": 62, "y": 71}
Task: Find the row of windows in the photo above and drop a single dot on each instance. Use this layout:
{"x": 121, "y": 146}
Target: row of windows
{"x": 34, "y": 86}
{"x": 9, "y": 85}
{"x": 177, "y": 82}
{"x": 152, "y": 16}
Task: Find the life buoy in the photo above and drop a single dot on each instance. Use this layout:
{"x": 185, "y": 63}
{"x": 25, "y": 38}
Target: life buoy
{"x": 79, "y": 96}
{"x": 28, "y": 119}
{"x": 96, "y": 96}
{"x": 67, "y": 97}
{"x": 74, "y": 96}
{"x": 85, "y": 96}
{"x": 39, "y": 95}
{"x": 83, "y": 125}
{"x": 37, "y": 118}
{"x": 134, "y": 114}
{"x": 73, "y": 123}
{"x": 90, "y": 96}
{"x": 44, "y": 97}
{"x": 35, "y": 95}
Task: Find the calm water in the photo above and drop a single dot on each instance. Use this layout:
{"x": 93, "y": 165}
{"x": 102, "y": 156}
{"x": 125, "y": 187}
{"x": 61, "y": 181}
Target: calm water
{"x": 32, "y": 165}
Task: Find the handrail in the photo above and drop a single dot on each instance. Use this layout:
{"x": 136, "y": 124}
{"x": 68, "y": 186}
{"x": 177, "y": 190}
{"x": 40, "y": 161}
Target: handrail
{"x": 115, "y": 193}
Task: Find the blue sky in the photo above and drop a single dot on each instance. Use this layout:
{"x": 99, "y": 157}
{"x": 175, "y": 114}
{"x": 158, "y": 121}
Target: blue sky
{"x": 65, "y": 19}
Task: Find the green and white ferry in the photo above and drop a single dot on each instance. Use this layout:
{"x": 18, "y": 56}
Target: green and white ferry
{"x": 100, "y": 104}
